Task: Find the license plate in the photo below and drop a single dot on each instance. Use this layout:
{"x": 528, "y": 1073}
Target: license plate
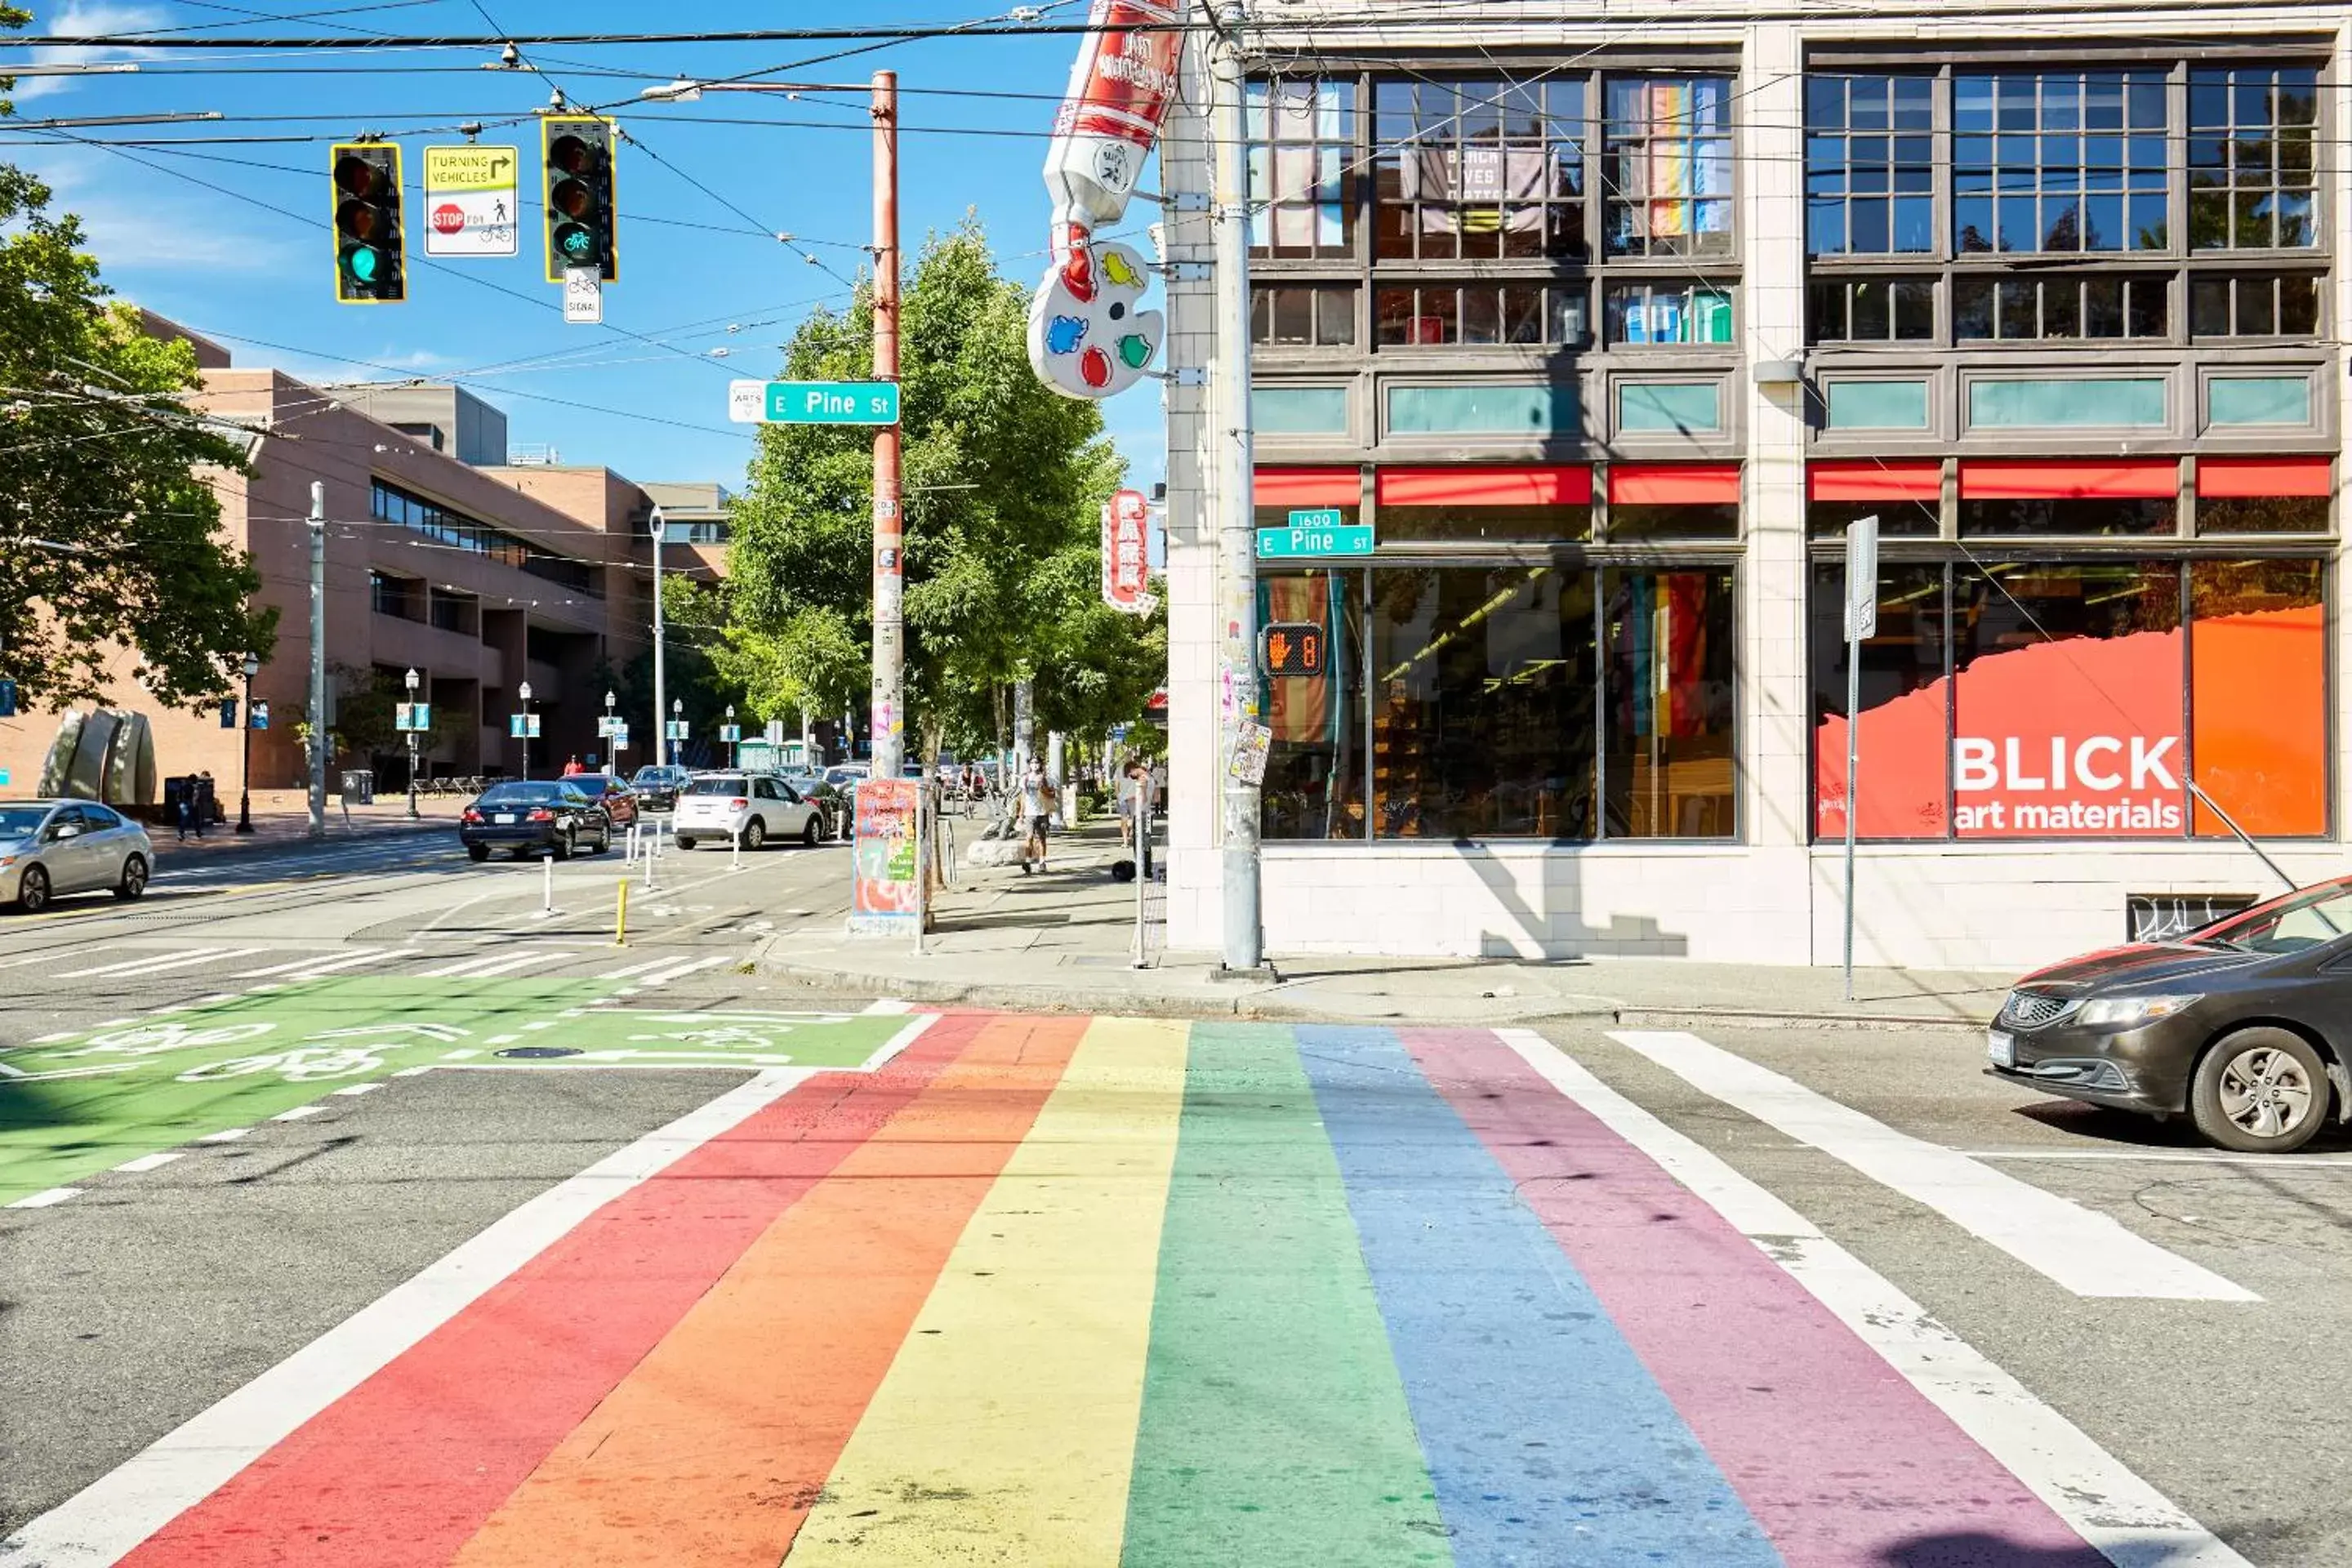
{"x": 2002, "y": 1047}
{"x": 503, "y": 816}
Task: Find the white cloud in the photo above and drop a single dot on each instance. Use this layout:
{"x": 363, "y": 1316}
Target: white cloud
{"x": 134, "y": 221}
{"x": 87, "y": 19}
{"x": 387, "y": 364}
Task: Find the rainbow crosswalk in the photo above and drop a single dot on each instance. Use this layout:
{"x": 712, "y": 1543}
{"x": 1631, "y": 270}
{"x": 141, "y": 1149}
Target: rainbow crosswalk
{"x": 1072, "y": 1292}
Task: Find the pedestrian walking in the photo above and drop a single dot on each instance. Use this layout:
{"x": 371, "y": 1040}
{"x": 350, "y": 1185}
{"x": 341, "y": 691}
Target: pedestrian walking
{"x": 572, "y": 768}
{"x": 184, "y": 808}
{"x": 1038, "y": 799}
{"x": 1130, "y": 789}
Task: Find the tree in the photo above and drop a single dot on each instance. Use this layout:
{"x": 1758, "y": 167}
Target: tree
{"x": 109, "y": 533}
{"x": 1004, "y": 484}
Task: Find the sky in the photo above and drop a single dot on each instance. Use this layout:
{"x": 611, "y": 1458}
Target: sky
{"x": 187, "y": 230}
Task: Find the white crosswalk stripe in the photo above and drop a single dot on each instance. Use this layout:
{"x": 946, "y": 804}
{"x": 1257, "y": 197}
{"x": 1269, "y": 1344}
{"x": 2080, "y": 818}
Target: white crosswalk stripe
{"x": 159, "y": 963}
{"x": 664, "y": 976}
{"x": 629, "y": 970}
{"x": 478, "y": 967}
{"x": 320, "y": 964}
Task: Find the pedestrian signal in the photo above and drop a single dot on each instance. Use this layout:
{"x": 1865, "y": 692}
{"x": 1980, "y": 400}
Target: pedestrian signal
{"x": 577, "y": 168}
{"x": 370, "y": 261}
{"x": 1292, "y": 647}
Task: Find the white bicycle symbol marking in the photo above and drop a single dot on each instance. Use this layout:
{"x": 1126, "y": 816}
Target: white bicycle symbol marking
{"x": 304, "y": 1064}
{"x": 156, "y": 1039}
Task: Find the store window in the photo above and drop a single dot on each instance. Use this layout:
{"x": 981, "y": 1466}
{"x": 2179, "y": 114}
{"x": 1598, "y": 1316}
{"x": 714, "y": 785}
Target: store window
{"x": 1667, "y": 167}
{"x": 1668, "y": 753}
{"x": 2059, "y": 161}
{"x": 1876, "y": 406}
{"x": 1906, "y": 788}
{"x": 1870, "y": 166}
{"x": 2124, "y": 496}
{"x": 1905, "y": 497}
{"x": 1313, "y": 785}
{"x": 1290, "y": 315}
{"x": 1641, "y": 314}
{"x": 2056, "y": 402}
{"x": 1669, "y": 408}
{"x": 1301, "y": 156}
{"x": 1483, "y": 409}
{"x": 2233, "y": 401}
{"x": 2258, "y": 695}
{"x": 2061, "y": 306}
{"x": 1480, "y": 169}
{"x": 2265, "y": 495}
{"x": 1484, "y": 684}
{"x": 1870, "y": 310}
{"x": 1673, "y": 501}
{"x": 2251, "y": 178}
{"x": 2254, "y": 305}
{"x": 1434, "y": 315}
{"x": 1458, "y": 503}
{"x": 1298, "y": 410}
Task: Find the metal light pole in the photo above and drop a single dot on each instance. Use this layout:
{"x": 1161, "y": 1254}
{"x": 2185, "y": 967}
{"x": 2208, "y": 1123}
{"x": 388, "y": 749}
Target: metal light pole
{"x": 410, "y": 681}
{"x": 523, "y": 691}
{"x": 734, "y": 739}
{"x": 678, "y": 717}
{"x": 658, "y": 525}
{"x": 318, "y": 740}
{"x": 890, "y": 526}
{"x": 609, "y": 699}
{"x": 245, "y": 776}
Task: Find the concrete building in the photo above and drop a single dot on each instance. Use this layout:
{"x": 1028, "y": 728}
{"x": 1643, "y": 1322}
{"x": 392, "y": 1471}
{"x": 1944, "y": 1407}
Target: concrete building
{"x": 1609, "y": 320}
{"x": 479, "y": 576}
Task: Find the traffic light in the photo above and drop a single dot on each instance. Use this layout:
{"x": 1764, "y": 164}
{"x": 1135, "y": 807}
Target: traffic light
{"x": 577, "y": 158}
{"x": 1292, "y": 647}
{"x": 370, "y": 262}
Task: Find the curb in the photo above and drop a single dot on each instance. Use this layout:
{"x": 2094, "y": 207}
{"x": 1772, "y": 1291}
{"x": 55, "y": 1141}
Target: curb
{"x": 1082, "y": 999}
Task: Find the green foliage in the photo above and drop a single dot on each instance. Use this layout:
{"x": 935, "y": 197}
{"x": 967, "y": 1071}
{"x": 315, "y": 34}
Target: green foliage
{"x": 1004, "y": 484}
{"x": 98, "y": 460}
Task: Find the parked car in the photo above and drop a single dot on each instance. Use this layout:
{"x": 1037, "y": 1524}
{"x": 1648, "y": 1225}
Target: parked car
{"x": 615, "y": 794}
{"x": 755, "y": 807}
{"x": 554, "y": 815}
{"x": 833, "y": 801}
{"x": 52, "y": 847}
{"x": 2244, "y": 1024}
{"x": 847, "y": 775}
{"x": 659, "y": 787}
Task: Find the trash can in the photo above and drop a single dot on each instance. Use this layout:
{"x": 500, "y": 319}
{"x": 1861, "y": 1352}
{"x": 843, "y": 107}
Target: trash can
{"x": 359, "y": 786}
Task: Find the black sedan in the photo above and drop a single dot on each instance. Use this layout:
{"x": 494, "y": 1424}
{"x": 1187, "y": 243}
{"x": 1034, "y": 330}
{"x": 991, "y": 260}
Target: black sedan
{"x": 2244, "y": 1024}
{"x": 554, "y": 814}
{"x": 657, "y": 786}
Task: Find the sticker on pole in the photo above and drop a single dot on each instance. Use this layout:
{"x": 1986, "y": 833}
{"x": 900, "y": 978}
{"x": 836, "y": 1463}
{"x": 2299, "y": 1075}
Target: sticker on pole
{"x": 469, "y": 201}
{"x": 1250, "y": 743}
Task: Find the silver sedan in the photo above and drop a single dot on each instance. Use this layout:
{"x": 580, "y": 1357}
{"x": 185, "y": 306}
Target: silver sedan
{"x": 52, "y": 847}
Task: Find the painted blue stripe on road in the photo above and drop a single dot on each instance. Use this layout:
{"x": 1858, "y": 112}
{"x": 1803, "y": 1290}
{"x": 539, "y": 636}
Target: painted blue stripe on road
{"x": 1548, "y": 1441}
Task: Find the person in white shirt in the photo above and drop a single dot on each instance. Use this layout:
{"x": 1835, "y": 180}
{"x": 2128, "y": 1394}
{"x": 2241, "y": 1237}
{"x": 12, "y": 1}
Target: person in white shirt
{"x": 1037, "y": 802}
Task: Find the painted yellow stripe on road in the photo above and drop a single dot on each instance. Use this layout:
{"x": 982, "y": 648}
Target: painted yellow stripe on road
{"x": 1004, "y": 1431}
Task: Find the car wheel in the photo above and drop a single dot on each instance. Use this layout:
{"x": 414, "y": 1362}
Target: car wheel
{"x": 32, "y": 890}
{"x": 755, "y": 833}
{"x": 135, "y": 877}
{"x": 683, "y": 842}
{"x": 811, "y": 833}
{"x": 565, "y": 842}
{"x": 2260, "y": 1091}
{"x": 477, "y": 852}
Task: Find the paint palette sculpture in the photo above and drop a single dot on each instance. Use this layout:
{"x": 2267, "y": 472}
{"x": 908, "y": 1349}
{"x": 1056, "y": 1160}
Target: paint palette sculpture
{"x": 1088, "y": 338}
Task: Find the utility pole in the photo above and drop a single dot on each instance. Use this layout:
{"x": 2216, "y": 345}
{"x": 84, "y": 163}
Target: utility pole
{"x": 1243, "y": 942}
{"x": 889, "y": 528}
{"x": 319, "y": 742}
{"x": 656, "y": 525}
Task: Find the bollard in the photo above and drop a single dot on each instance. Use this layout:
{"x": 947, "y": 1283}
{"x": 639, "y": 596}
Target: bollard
{"x": 621, "y": 916}
{"x": 735, "y": 851}
{"x": 652, "y": 840}
{"x": 547, "y": 885}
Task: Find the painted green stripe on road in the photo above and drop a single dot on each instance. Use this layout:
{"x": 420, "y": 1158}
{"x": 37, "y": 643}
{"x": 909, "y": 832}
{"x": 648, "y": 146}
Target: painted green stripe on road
{"x": 1274, "y": 1428}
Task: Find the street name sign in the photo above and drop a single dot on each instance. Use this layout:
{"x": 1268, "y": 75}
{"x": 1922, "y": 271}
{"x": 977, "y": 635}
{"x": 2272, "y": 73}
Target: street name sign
{"x": 1315, "y": 536}
{"x": 469, "y": 201}
{"x": 812, "y": 402}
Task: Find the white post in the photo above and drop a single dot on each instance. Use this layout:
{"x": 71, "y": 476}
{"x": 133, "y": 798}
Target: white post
{"x": 658, "y": 525}
{"x": 1063, "y": 816}
{"x": 1860, "y": 624}
{"x": 735, "y": 850}
{"x": 319, "y": 742}
{"x": 1140, "y": 808}
{"x": 547, "y": 885}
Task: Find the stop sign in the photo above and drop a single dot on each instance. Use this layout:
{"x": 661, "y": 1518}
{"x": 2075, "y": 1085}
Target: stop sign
{"x": 448, "y": 218}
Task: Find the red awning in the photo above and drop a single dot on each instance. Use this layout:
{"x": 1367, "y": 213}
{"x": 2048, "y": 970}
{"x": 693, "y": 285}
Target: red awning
{"x": 1566, "y": 486}
{"x": 2222, "y": 478}
{"x": 2113, "y": 479}
{"x": 1310, "y": 486}
{"x": 1877, "y": 481}
{"x": 1673, "y": 484}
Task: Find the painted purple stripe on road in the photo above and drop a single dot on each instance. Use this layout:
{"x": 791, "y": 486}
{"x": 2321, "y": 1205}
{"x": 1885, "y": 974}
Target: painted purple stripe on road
{"x": 1837, "y": 1456}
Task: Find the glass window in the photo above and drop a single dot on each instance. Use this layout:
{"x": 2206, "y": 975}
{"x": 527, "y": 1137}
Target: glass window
{"x": 2259, "y": 400}
{"x": 1669, "y": 771}
{"x": 1870, "y": 310}
{"x": 1302, "y": 151}
{"x": 1482, "y": 410}
{"x": 2060, "y": 307}
{"x": 1530, "y": 525}
{"x": 2254, "y": 305}
{"x": 1480, "y": 169}
{"x": 1905, "y": 782}
{"x": 1314, "y": 765}
{"x": 1876, "y": 406}
{"x": 2258, "y": 694}
{"x": 1667, "y": 167}
{"x": 2059, "y": 161}
{"x": 2084, "y": 515}
{"x": 1298, "y": 410}
{"x": 2059, "y": 403}
{"x": 1870, "y": 176}
{"x": 1651, "y": 313}
{"x": 1484, "y": 681}
{"x": 2251, "y": 182}
{"x": 2067, "y": 700}
{"x": 1688, "y": 407}
{"x": 1437, "y": 315}
{"x": 1290, "y": 315}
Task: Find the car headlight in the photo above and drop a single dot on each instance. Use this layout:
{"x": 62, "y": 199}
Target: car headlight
{"x": 2133, "y": 1010}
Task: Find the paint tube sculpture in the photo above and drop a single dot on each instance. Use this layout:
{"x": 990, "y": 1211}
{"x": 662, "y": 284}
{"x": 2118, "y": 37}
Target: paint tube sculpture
{"x": 1087, "y": 337}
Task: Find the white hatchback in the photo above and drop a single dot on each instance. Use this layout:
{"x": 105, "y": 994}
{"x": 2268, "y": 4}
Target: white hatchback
{"x": 754, "y": 806}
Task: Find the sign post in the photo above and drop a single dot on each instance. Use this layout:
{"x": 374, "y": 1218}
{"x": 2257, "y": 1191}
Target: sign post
{"x": 1861, "y": 625}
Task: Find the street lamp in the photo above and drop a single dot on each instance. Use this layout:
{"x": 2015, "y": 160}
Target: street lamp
{"x": 734, "y": 739}
{"x": 252, "y": 668}
{"x": 523, "y": 691}
{"x": 677, "y": 716}
{"x": 410, "y": 681}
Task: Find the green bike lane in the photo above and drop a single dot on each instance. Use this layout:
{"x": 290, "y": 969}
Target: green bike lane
{"x": 76, "y": 1105}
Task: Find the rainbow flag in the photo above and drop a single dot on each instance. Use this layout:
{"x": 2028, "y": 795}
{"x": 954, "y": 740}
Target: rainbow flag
{"x": 1069, "y": 1292}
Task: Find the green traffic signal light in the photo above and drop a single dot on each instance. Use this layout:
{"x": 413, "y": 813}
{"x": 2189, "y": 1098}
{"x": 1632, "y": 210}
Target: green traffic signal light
{"x": 578, "y": 156}
{"x": 370, "y": 256}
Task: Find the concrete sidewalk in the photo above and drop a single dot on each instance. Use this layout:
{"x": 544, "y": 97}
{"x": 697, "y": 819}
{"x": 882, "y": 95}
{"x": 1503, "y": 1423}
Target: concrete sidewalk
{"x": 281, "y": 819}
{"x": 1064, "y": 940}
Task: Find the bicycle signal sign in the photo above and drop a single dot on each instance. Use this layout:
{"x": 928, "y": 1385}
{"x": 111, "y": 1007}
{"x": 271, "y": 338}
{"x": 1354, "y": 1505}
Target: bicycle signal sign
{"x": 1293, "y": 648}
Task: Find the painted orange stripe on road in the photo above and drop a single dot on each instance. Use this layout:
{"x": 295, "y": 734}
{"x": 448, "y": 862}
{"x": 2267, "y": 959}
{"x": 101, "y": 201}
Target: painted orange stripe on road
{"x": 713, "y": 1449}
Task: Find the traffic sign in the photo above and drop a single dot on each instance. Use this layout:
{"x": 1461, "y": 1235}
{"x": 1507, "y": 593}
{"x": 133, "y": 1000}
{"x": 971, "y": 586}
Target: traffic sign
{"x": 1315, "y": 536}
{"x": 470, "y": 203}
{"x": 812, "y": 402}
{"x": 583, "y": 296}
{"x": 1292, "y": 647}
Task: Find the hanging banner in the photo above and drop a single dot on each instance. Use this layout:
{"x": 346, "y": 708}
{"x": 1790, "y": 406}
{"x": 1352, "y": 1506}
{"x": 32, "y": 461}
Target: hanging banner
{"x": 1127, "y": 553}
{"x": 1086, "y": 339}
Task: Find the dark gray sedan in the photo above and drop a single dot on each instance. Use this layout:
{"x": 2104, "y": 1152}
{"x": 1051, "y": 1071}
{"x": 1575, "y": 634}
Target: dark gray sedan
{"x": 53, "y": 846}
{"x": 554, "y": 815}
{"x": 2245, "y": 1024}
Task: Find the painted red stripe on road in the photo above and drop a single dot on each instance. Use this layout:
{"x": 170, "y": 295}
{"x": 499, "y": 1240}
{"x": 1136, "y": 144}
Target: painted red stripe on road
{"x": 402, "y": 1471}
{"x": 1839, "y": 1459}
